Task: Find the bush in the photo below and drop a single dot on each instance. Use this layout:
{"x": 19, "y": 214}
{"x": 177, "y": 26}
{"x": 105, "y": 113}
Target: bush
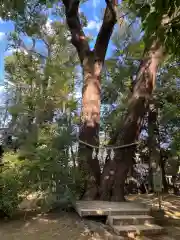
{"x": 20, "y": 177}
{"x": 38, "y": 167}
{"x": 10, "y": 184}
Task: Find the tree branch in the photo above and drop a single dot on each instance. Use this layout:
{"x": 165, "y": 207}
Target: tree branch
{"x": 106, "y": 29}
{"x": 32, "y": 50}
{"x": 79, "y": 39}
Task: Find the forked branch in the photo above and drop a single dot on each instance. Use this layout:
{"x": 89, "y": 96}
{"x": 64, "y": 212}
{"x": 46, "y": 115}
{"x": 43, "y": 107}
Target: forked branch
{"x": 79, "y": 39}
{"x": 106, "y": 29}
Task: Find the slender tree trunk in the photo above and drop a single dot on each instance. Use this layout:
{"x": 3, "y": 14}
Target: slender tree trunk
{"x": 162, "y": 165}
{"x": 154, "y": 154}
{"x": 137, "y": 107}
{"x": 164, "y": 180}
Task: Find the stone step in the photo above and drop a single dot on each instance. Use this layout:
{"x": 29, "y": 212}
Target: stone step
{"x": 135, "y": 230}
{"x": 125, "y": 212}
{"x": 156, "y": 237}
{"x": 113, "y": 212}
{"x": 130, "y": 220}
{"x": 159, "y": 237}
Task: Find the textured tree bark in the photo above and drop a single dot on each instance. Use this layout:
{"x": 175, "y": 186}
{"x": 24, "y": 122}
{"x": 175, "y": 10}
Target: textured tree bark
{"x": 137, "y": 107}
{"x": 92, "y": 63}
{"x": 164, "y": 180}
{"x": 155, "y": 152}
{"x": 89, "y": 129}
{"x": 163, "y": 160}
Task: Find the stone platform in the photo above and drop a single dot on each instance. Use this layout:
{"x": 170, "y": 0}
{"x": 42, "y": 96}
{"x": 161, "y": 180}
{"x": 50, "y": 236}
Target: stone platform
{"x": 103, "y": 208}
{"x": 126, "y": 219}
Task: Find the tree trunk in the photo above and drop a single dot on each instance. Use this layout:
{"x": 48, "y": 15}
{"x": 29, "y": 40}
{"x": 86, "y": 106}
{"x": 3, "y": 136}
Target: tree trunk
{"x": 162, "y": 165}
{"x": 91, "y": 62}
{"x": 137, "y": 107}
{"x": 154, "y": 154}
{"x": 164, "y": 180}
{"x": 107, "y": 180}
{"x": 89, "y": 129}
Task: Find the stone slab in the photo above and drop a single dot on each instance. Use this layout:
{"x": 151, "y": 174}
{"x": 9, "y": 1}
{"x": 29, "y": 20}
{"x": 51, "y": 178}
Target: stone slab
{"x": 130, "y": 230}
{"x": 159, "y": 237}
{"x": 103, "y": 208}
{"x": 130, "y": 220}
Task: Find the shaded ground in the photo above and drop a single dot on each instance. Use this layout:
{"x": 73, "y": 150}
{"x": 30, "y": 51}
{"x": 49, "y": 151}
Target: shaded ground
{"x": 68, "y": 226}
{"x": 168, "y": 217}
{"x": 65, "y": 226}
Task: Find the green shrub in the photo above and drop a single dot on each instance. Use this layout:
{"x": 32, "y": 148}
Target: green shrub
{"x": 37, "y": 167}
{"x": 10, "y": 184}
{"x": 20, "y": 177}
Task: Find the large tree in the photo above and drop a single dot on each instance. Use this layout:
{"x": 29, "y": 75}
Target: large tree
{"x": 159, "y": 20}
{"x": 92, "y": 63}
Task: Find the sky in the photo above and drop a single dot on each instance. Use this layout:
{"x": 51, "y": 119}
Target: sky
{"x": 93, "y": 10}
{"x": 5, "y": 28}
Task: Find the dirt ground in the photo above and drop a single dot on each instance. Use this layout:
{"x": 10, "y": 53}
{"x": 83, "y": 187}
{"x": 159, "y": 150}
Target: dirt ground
{"x": 68, "y": 226}
{"x": 56, "y": 226}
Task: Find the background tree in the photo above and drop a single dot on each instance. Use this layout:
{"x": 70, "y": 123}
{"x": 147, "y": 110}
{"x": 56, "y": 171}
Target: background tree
{"x": 43, "y": 119}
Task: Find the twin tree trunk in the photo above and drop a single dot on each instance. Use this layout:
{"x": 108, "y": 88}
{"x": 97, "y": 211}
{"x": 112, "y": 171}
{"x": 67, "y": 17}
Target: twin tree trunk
{"x": 91, "y": 62}
{"x": 109, "y": 185}
{"x": 115, "y": 172}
